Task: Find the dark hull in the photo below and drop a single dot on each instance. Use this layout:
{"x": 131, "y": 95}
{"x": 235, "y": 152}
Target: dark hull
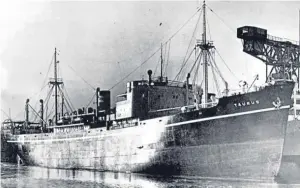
{"x": 292, "y": 143}
{"x": 290, "y": 171}
{"x": 250, "y": 149}
{"x": 226, "y": 141}
{"x": 8, "y": 152}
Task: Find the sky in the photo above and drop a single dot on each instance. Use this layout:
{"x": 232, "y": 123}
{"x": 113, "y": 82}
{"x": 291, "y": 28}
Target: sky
{"x": 102, "y": 42}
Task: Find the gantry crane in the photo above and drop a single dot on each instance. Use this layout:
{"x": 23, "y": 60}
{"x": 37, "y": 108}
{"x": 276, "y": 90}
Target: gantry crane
{"x": 280, "y": 54}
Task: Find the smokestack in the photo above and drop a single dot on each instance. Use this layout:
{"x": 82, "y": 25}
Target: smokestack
{"x": 226, "y": 89}
{"x": 149, "y": 74}
{"x": 187, "y": 88}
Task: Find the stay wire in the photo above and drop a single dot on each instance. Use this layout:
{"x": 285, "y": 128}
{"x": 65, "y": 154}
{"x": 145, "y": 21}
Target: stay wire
{"x": 213, "y": 73}
{"x": 199, "y": 56}
{"x": 226, "y": 64}
{"x": 156, "y": 67}
{"x": 156, "y": 50}
{"x": 168, "y": 56}
{"x": 230, "y": 28}
{"x": 66, "y": 101}
{"x": 91, "y": 100}
{"x": 183, "y": 65}
{"x": 43, "y": 85}
{"x": 81, "y": 78}
{"x": 184, "y": 59}
{"x": 48, "y": 70}
{"x": 68, "y": 98}
{"x": 197, "y": 68}
{"x": 221, "y": 19}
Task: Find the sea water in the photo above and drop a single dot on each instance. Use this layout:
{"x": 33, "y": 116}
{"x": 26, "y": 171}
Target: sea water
{"x": 13, "y": 175}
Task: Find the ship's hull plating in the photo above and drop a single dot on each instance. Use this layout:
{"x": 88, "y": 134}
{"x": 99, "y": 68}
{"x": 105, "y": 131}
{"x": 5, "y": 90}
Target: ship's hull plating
{"x": 237, "y": 147}
{"x": 8, "y": 153}
{"x": 239, "y": 140}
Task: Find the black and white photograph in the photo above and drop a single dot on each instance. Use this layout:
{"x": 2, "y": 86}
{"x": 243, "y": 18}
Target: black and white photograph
{"x": 153, "y": 94}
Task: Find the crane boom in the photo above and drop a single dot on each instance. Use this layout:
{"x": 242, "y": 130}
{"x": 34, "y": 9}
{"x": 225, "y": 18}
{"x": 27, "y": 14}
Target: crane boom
{"x": 281, "y": 54}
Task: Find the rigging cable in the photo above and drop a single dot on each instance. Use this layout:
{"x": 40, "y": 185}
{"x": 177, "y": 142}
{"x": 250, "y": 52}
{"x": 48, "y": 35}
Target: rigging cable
{"x": 168, "y": 56}
{"x": 36, "y": 113}
{"x": 66, "y": 96}
{"x": 183, "y": 65}
{"x": 48, "y": 71}
{"x": 36, "y": 103}
{"x": 199, "y": 56}
{"x": 51, "y": 112}
{"x": 214, "y": 75}
{"x": 91, "y": 100}
{"x": 45, "y": 79}
{"x": 5, "y": 113}
{"x": 164, "y": 58}
{"x": 230, "y": 28}
{"x": 47, "y": 100}
{"x": 221, "y": 19}
{"x": 208, "y": 28}
{"x": 220, "y": 74}
{"x": 66, "y": 101}
{"x": 156, "y": 66}
{"x": 32, "y": 96}
{"x": 43, "y": 86}
{"x": 226, "y": 64}
{"x": 197, "y": 68}
{"x": 184, "y": 59}
{"x": 82, "y": 78}
{"x": 155, "y": 51}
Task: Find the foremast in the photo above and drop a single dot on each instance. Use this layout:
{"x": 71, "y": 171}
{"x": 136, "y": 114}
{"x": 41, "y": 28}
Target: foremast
{"x": 56, "y": 83}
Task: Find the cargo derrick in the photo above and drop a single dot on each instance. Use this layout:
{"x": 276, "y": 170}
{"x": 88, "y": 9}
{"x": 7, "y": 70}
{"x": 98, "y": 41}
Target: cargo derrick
{"x": 280, "y": 54}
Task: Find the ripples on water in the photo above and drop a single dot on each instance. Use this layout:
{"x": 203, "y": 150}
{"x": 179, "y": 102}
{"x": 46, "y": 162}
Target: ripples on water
{"x": 31, "y": 177}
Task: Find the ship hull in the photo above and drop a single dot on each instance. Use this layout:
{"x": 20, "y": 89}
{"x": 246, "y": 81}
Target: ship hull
{"x": 8, "y": 152}
{"x": 290, "y": 171}
{"x": 240, "y": 138}
{"x": 242, "y": 147}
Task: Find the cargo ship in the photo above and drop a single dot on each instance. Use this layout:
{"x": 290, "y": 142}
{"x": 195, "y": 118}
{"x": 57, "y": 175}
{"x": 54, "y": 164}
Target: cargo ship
{"x": 167, "y": 127}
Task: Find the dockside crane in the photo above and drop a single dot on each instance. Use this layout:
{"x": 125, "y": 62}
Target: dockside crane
{"x": 281, "y": 56}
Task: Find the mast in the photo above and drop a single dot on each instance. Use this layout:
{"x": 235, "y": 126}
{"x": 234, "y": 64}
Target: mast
{"x": 42, "y": 114}
{"x": 295, "y": 89}
{"x": 55, "y": 85}
{"x": 205, "y": 72}
{"x": 27, "y": 114}
{"x": 161, "y": 64}
{"x": 62, "y": 104}
{"x": 205, "y": 47}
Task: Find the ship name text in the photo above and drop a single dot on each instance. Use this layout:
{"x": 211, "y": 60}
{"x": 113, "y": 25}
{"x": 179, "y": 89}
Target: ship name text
{"x": 246, "y": 103}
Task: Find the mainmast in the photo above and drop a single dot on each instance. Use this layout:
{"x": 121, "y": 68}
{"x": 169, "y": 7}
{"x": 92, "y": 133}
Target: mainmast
{"x": 55, "y": 85}
{"x": 204, "y": 56}
{"x": 161, "y": 64}
{"x": 205, "y": 47}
